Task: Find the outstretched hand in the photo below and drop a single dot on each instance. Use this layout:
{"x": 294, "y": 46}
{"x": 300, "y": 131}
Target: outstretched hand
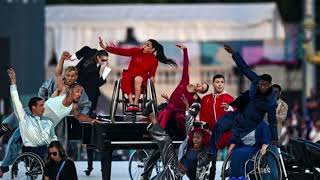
{"x": 101, "y": 43}
{"x": 66, "y": 55}
{"x": 12, "y": 75}
{"x": 228, "y": 49}
{"x": 181, "y": 46}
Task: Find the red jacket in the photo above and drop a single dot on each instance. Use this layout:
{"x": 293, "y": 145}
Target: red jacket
{"x": 211, "y": 111}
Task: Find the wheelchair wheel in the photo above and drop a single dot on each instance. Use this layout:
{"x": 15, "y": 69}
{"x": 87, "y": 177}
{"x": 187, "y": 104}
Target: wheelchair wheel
{"x": 136, "y": 163}
{"x": 267, "y": 166}
{"x": 114, "y": 101}
{"x": 225, "y": 171}
{"x": 152, "y": 96}
{"x": 28, "y": 166}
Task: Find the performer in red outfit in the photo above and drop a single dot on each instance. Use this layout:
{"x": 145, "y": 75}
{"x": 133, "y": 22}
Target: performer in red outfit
{"x": 143, "y": 65}
{"x": 213, "y": 107}
{"x": 174, "y": 112}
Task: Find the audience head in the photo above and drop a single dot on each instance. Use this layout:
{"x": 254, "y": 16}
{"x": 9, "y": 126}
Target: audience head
{"x": 56, "y": 152}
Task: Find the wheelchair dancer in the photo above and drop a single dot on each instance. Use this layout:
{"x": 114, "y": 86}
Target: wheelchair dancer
{"x": 143, "y": 65}
{"x": 56, "y": 109}
{"x": 50, "y": 89}
{"x": 257, "y": 101}
{"x": 172, "y": 118}
{"x": 259, "y": 139}
{"x": 192, "y": 157}
{"x": 37, "y": 131}
{"x": 214, "y": 106}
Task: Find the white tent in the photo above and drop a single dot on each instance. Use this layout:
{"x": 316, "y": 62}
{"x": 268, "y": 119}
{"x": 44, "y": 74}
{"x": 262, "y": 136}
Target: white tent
{"x": 69, "y": 27}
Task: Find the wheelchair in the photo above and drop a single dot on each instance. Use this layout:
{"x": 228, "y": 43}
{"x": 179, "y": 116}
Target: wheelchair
{"x": 259, "y": 167}
{"x": 28, "y": 165}
{"x": 148, "y": 94}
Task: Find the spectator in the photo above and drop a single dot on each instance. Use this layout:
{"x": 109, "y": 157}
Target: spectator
{"x": 315, "y": 132}
{"x": 59, "y": 166}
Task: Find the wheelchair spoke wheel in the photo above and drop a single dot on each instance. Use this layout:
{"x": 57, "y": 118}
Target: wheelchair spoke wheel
{"x": 136, "y": 163}
{"x": 27, "y": 166}
{"x": 225, "y": 171}
{"x": 268, "y": 167}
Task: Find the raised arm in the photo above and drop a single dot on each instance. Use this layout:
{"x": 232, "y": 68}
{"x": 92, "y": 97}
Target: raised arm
{"x": 117, "y": 50}
{"x": 185, "y": 68}
{"x": 59, "y": 68}
{"x": 17, "y": 105}
{"x": 241, "y": 64}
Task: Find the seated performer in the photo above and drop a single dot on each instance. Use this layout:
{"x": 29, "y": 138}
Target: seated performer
{"x": 172, "y": 117}
{"x": 56, "y": 109}
{"x": 260, "y": 138}
{"x": 192, "y": 156}
{"x": 258, "y": 101}
{"x": 143, "y": 65}
{"x": 50, "y": 89}
{"x": 37, "y": 130}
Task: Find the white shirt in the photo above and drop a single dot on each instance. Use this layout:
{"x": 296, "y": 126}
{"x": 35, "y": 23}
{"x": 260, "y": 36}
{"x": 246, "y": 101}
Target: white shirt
{"x": 55, "y": 110}
{"x": 35, "y": 131}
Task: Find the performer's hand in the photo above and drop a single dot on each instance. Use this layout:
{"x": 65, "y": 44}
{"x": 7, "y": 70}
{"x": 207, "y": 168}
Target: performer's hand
{"x": 96, "y": 121}
{"x": 165, "y": 96}
{"x": 185, "y": 101}
{"x": 225, "y": 106}
{"x": 231, "y": 147}
{"x": 263, "y": 149}
{"x": 228, "y": 49}
{"x": 181, "y": 46}
{"x": 12, "y": 76}
{"x": 65, "y": 55}
{"x": 101, "y": 43}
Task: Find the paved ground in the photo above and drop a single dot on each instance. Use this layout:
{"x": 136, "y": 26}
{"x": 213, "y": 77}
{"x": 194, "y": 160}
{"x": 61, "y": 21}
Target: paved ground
{"x": 119, "y": 171}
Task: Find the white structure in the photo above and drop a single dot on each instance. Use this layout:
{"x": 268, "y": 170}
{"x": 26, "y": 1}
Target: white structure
{"x": 70, "y": 27}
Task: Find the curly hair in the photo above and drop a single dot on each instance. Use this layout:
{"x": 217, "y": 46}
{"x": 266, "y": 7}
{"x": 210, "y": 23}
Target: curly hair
{"x": 205, "y": 137}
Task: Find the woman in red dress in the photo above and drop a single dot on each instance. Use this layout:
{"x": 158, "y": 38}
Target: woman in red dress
{"x": 143, "y": 65}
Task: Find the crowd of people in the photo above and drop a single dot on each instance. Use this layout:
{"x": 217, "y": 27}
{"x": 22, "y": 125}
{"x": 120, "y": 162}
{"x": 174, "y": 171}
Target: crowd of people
{"x": 249, "y": 123}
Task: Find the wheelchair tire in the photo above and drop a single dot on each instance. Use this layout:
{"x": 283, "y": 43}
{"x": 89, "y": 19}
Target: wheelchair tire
{"x": 263, "y": 171}
{"x": 225, "y": 174}
{"x": 27, "y": 165}
{"x": 114, "y": 100}
{"x": 136, "y": 163}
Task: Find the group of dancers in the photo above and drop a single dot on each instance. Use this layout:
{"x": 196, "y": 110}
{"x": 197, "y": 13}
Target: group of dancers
{"x": 245, "y": 124}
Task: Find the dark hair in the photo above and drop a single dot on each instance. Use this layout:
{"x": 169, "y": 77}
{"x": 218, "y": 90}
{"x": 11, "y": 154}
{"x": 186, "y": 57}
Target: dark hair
{"x": 160, "y": 53}
{"x": 266, "y": 77}
{"x": 205, "y": 137}
{"x": 277, "y": 86}
{"x": 72, "y": 86}
{"x": 60, "y": 148}
{"x": 33, "y": 102}
{"x": 206, "y": 90}
{"x": 217, "y": 76}
{"x": 102, "y": 53}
